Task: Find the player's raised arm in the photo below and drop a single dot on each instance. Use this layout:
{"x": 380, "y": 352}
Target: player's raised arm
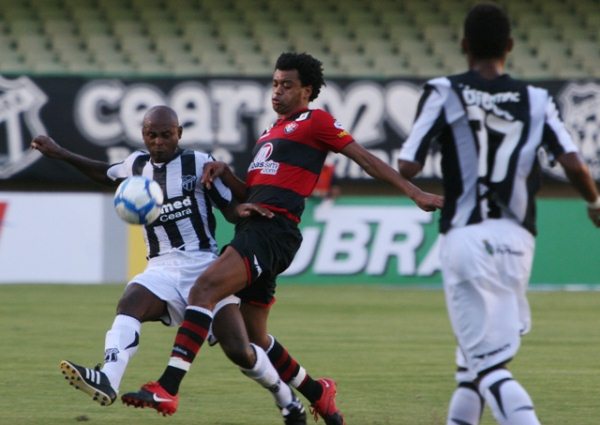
{"x": 96, "y": 170}
{"x": 378, "y": 169}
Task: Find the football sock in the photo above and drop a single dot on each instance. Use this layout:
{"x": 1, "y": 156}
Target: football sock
{"x": 508, "y": 400}
{"x": 466, "y": 405}
{"x": 292, "y": 373}
{"x": 265, "y": 374}
{"x": 190, "y": 336}
{"x": 120, "y": 344}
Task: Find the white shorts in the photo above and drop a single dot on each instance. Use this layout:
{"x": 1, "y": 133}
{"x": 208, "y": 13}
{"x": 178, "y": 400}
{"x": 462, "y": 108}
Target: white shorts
{"x": 486, "y": 269}
{"x": 171, "y": 276}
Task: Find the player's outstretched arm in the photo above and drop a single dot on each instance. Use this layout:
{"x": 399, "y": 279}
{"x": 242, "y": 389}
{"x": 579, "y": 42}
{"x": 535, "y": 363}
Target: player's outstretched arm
{"x": 218, "y": 169}
{"x": 378, "y": 169}
{"x": 579, "y": 175}
{"x": 96, "y": 170}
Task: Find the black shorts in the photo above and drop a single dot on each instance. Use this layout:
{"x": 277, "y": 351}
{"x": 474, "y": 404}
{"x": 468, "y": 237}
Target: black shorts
{"x": 268, "y": 246}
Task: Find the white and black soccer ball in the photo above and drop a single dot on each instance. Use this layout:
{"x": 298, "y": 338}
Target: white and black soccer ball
{"x": 138, "y": 200}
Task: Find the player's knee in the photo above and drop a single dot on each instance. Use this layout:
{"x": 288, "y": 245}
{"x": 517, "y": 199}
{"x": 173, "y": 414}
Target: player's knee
{"x": 243, "y": 356}
{"x": 205, "y": 292}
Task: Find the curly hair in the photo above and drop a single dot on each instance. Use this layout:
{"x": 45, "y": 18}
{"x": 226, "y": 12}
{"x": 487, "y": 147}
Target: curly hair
{"x": 310, "y": 70}
{"x": 487, "y": 30}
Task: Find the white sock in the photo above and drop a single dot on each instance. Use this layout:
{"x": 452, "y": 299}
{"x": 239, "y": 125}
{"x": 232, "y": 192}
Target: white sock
{"x": 466, "y": 406}
{"x": 265, "y": 374}
{"x": 510, "y": 403}
{"x": 121, "y": 343}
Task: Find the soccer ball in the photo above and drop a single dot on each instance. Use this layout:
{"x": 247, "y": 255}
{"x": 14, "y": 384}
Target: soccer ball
{"x": 138, "y": 200}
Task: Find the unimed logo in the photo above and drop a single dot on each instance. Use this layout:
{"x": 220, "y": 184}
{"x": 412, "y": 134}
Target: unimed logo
{"x": 3, "y": 208}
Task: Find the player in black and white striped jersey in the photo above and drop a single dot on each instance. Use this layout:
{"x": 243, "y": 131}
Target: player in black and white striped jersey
{"x": 489, "y": 128}
{"x": 186, "y": 221}
{"x": 181, "y": 245}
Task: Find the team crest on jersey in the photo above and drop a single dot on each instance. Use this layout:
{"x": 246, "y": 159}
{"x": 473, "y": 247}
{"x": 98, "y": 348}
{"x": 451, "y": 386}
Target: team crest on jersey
{"x": 188, "y": 183}
{"x": 290, "y": 128}
{"x": 580, "y": 107}
{"x": 262, "y": 162}
{"x": 21, "y": 101}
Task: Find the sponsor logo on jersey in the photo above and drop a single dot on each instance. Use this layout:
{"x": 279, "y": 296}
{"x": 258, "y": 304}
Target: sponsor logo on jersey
{"x": 188, "y": 183}
{"x": 175, "y": 210}
{"x": 290, "y": 128}
{"x": 20, "y": 104}
{"x": 338, "y": 124}
{"x": 580, "y": 107}
{"x": 262, "y": 162}
{"x": 490, "y": 102}
{"x": 342, "y": 134}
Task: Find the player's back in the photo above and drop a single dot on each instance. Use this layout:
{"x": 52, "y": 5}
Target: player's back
{"x": 489, "y": 132}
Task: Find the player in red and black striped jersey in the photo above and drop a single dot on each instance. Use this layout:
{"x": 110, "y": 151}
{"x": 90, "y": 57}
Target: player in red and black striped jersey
{"x": 180, "y": 247}
{"x": 288, "y": 158}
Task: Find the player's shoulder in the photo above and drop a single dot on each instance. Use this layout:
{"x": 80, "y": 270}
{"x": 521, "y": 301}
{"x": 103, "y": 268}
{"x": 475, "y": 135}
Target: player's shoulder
{"x": 537, "y": 90}
{"x": 200, "y": 156}
{"x": 443, "y": 81}
{"x": 321, "y": 116}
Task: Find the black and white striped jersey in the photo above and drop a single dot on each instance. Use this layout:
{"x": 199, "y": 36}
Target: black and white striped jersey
{"x": 489, "y": 133}
{"x": 186, "y": 221}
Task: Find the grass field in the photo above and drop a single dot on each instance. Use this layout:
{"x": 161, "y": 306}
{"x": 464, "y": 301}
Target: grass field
{"x": 390, "y": 350}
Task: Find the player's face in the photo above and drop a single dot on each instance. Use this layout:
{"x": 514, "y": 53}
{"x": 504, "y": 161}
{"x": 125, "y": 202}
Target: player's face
{"x": 288, "y": 95}
{"x": 161, "y": 139}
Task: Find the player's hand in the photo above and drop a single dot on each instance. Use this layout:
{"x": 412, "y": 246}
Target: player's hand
{"x": 248, "y": 209}
{"x": 594, "y": 215}
{"x": 47, "y": 146}
{"x": 211, "y": 171}
{"x": 428, "y": 201}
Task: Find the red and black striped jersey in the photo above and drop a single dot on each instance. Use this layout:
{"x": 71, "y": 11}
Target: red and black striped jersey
{"x": 288, "y": 158}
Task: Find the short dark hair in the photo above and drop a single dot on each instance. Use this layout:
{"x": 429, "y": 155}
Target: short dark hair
{"x": 487, "y": 30}
{"x": 310, "y": 70}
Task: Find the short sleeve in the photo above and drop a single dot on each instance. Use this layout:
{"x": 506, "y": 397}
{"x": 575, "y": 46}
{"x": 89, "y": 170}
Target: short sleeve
{"x": 428, "y": 124}
{"x": 219, "y": 194}
{"x": 123, "y": 169}
{"x": 329, "y": 131}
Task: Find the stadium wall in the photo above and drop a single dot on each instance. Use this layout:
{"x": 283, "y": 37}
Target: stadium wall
{"x": 78, "y": 238}
{"x": 388, "y": 240}
{"x": 61, "y": 238}
{"x": 101, "y": 118}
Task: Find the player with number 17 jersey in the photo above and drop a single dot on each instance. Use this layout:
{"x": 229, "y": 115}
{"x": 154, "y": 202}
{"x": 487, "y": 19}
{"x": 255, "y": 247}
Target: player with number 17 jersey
{"x": 494, "y": 127}
{"x": 288, "y": 158}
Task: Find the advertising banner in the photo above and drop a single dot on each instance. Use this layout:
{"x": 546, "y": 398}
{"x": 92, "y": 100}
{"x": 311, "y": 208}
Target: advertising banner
{"x": 61, "y": 238}
{"x": 389, "y": 241}
{"x": 101, "y": 118}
